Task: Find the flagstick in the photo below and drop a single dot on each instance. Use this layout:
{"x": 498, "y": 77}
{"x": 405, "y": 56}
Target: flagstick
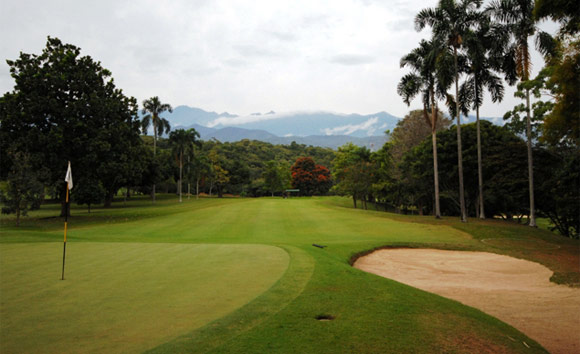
{"x": 65, "y": 226}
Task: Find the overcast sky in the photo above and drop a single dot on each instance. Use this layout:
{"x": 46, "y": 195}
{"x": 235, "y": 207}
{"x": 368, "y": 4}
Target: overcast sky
{"x": 236, "y": 55}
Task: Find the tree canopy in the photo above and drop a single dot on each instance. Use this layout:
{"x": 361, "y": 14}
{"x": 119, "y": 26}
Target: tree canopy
{"x": 66, "y": 107}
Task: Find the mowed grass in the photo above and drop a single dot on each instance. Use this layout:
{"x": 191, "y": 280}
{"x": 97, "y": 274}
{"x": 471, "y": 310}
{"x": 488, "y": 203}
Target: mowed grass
{"x": 258, "y": 251}
{"x": 124, "y": 297}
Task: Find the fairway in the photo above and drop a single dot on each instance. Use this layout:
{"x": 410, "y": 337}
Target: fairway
{"x": 124, "y": 297}
{"x": 239, "y": 276}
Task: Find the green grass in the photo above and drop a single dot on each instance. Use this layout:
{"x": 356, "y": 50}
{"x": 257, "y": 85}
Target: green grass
{"x": 122, "y": 297}
{"x": 241, "y": 275}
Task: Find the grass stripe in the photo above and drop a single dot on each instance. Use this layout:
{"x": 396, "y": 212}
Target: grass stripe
{"x": 224, "y": 330}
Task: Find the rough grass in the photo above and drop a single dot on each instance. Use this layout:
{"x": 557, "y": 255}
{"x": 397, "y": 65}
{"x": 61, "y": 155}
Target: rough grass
{"x": 371, "y": 314}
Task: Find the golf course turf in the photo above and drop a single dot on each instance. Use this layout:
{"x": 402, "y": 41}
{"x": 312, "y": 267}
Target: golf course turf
{"x": 241, "y": 275}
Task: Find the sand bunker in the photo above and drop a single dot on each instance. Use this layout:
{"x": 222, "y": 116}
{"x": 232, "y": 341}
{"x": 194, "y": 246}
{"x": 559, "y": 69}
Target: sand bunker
{"x": 516, "y": 291}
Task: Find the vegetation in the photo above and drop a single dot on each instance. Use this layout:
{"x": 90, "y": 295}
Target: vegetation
{"x": 486, "y": 44}
{"x": 518, "y": 18}
{"x": 310, "y": 178}
{"x": 424, "y": 63}
{"x": 65, "y": 107}
{"x": 152, "y": 108}
{"x": 257, "y": 282}
{"x": 450, "y": 22}
{"x": 183, "y": 142}
{"x": 23, "y": 190}
{"x": 240, "y": 274}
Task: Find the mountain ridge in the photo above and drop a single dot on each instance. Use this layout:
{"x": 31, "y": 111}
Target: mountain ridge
{"x": 317, "y": 128}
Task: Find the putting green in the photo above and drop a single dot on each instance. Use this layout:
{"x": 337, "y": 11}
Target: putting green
{"x": 124, "y": 297}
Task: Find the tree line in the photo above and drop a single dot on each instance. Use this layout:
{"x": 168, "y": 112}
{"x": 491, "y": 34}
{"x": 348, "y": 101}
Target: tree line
{"x": 66, "y": 107}
{"x": 480, "y": 46}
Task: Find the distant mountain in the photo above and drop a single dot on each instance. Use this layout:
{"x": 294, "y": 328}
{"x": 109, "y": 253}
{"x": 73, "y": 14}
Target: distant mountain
{"x": 232, "y": 134}
{"x": 311, "y": 128}
{"x": 288, "y": 124}
{"x": 312, "y": 123}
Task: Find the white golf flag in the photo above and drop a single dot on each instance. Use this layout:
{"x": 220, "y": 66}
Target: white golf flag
{"x": 68, "y": 178}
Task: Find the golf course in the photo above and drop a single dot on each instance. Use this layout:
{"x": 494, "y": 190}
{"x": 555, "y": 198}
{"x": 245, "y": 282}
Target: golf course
{"x": 243, "y": 275}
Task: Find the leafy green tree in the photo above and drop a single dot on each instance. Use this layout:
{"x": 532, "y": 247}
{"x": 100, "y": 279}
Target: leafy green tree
{"x": 517, "y": 15}
{"x": 219, "y": 175}
{"x": 182, "y": 142}
{"x": 384, "y": 181}
{"x": 515, "y": 120}
{"x": 559, "y": 183}
{"x": 565, "y": 12}
{"x": 272, "y": 177}
{"x": 152, "y": 109}
{"x": 285, "y": 174}
{"x": 502, "y": 169}
{"x": 200, "y": 169}
{"x": 24, "y": 191}
{"x": 65, "y": 107}
{"x": 561, "y": 127}
{"x": 89, "y": 192}
{"x": 450, "y": 21}
{"x": 354, "y": 172}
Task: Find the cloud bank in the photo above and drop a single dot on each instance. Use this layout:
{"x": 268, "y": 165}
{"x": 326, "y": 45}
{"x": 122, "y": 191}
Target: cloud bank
{"x": 368, "y": 126}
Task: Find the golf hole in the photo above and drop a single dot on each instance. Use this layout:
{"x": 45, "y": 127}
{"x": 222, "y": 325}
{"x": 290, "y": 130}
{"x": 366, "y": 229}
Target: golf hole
{"x": 324, "y": 317}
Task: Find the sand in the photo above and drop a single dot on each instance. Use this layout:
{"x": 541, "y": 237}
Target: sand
{"x": 515, "y": 291}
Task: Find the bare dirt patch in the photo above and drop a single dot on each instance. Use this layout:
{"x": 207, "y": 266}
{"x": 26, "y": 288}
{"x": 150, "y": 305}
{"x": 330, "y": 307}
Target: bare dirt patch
{"x": 516, "y": 291}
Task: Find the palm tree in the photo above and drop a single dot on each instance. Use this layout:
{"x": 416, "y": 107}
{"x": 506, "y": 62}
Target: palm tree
{"x": 423, "y": 79}
{"x": 182, "y": 142}
{"x": 152, "y": 108}
{"x": 517, "y": 15}
{"x": 449, "y": 21}
{"x": 485, "y": 48}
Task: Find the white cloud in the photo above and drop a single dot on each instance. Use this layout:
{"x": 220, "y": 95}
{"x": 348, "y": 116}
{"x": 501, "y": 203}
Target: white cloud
{"x": 236, "y": 55}
{"x": 252, "y": 118}
{"x": 368, "y": 126}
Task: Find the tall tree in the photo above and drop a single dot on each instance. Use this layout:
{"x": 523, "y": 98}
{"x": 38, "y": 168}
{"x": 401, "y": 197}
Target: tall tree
{"x": 309, "y": 177}
{"x": 354, "y": 172}
{"x": 199, "y": 169}
{"x": 565, "y": 12}
{"x": 485, "y": 47}
{"x": 561, "y": 126}
{"x": 66, "y": 107}
{"x": 450, "y": 20}
{"x": 152, "y": 108}
{"x": 182, "y": 143}
{"x": 424, "y": 79}
{"x": 23, "y": 190}
{"x": 219, "y": 175}
{"x": 517, "y": 15}
{"x": 272, "y": 177}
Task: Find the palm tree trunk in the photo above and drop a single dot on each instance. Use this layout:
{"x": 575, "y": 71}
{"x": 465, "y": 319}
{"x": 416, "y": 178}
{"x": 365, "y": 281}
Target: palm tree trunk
{"x": 459, "y": 152}
{"x": 479, "y": 166}
{"x": 435, "y": 165}
{"x": 530, "y": 161}
{"x": 154, "y": 153}
{"x": 180, "y": 174}
{"x": 188, "y": 175}
{"x": 197, "y": 188}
